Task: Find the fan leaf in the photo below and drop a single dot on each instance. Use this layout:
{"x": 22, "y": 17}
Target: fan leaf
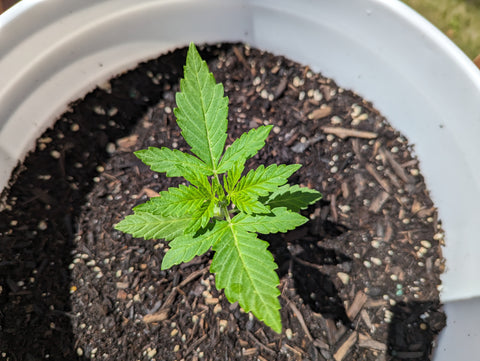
{"x": 295, "y": 198}
{"x": 201, "y": 216}
{"x": 171, "y": 162}
{"x": 262, "y": 181}
{"x": 248, "y": 204}
{"x": 184, "y": 248}
{"x": 244, "y": 147}
{"x": 280, "y": 220}
{"x": 202, "y": 110}
{"x": 179, "y": 201}
{"x": 233, "y": 176}
{"x": 153, "y": 226}
{"x": 245, "y": 269}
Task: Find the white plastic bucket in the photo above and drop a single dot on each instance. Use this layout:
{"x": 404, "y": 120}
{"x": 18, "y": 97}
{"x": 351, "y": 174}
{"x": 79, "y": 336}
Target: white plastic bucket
{"x": 52, "y": 52}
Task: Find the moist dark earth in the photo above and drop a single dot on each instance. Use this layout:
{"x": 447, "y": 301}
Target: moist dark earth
{"x": 359, "y": 281}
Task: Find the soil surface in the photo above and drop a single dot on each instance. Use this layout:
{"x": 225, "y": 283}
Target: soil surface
{"x": 358, "y": 282}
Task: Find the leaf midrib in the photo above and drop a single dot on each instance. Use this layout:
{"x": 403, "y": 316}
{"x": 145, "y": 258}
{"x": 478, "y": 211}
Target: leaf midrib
{"x": 247, "y": 270}
{"x": 204, "y": 114}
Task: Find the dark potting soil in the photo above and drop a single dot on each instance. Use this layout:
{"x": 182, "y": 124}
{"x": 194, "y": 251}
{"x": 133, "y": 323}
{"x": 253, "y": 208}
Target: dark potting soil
{"x": 358, "y": 282}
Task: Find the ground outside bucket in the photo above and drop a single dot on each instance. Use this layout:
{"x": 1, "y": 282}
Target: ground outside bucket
{"x": 52, "y": 52}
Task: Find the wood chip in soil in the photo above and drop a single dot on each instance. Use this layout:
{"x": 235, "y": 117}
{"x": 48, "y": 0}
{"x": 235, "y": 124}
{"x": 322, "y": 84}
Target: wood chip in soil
{"x": 358, "y": 282}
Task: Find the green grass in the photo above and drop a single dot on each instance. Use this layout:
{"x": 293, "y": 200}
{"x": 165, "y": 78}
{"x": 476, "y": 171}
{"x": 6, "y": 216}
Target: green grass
{"x": 458, "y": 19}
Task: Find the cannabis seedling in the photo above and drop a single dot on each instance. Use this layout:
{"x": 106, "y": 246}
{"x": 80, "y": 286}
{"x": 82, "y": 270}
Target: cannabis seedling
{"x": 220, "y": 209}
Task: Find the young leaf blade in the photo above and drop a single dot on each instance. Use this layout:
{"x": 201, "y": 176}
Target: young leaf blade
{"x": 201, "y": 216}
{"x": 246, "y": 270}
{"x": 294, "y": 198}
{"x": 262, "y": 181}
{"x": 202, "y": 110}
{"x": 179, "y": 201}
{"x": 249, "y": 204}
{"x": 233, "y": 176}
{"x": 244, "y": 147}
{"x": 184, "y": 248}
{"x": 151, "y": 206}
{"x": 280, "y": 220}
{"x": 153, "y": 226}
{"x": 172, "y": 161}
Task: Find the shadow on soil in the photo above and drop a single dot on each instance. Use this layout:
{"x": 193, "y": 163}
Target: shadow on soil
{"x": 37, "y": 228}
{"x": 303, "y": 259}
{"x": 413, "y": 328}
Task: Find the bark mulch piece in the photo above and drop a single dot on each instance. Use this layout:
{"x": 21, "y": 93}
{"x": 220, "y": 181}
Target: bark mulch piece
{"x": 358, "y": 282}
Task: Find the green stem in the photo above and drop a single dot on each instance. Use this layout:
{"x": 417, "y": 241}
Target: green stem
{"x": 222, "y": 204}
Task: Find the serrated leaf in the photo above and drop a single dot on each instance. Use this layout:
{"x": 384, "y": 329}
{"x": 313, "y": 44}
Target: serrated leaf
{"x": 202, "y": 110}
{"x": 172, "y": 161}
{"x": 262, "y": 181}
{"x": 233, "y": 176}
{"x": 280, "y": 220}
{"x": 150, "y": 206}
{"x": 152, "y": 226}
{"x": 180, "y": 201}
{"x": 217, "y": 188}
{"x": 245, "y": 269}
{"x": 189, "y": 216}
{"x": 295, "y": 198}
{"x": 244, "y": 147}
{"x": 201, "y": 216}
{"x": 248, "y": 204}
{"x": 184, "y": 248}
{"x": 197, "y": 179}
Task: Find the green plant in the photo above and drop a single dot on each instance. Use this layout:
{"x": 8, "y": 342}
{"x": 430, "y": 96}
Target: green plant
{"x": 220, "y": 209}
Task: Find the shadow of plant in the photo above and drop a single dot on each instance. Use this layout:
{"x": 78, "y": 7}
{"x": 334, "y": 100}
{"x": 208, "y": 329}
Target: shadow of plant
{"x": 412, "y": 329}
{"x": 303, "y": 258}
{"x": 38, "y": 222}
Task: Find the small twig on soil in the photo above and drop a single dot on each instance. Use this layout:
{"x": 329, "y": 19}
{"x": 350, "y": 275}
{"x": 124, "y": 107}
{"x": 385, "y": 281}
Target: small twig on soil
{"x": 194, "y": 345}
{"x": 333, "y": 207}
{"x": 156, "y": 317}
{"x": 169, "y": 300}
{"x": 346, "y": 133}
{"x": 162, "y": 314}
{"x": 368, "y": 342}
{"x": 360, "y": 184}
{"x": 357, "y": 150}
{"x": 306, "y": 263}
{"x": 298, "y": 354}
{"x": 320, "y": 113}
{"x": 397, "y": 168}
{"x": 280, "y": 88}
{"x": 393, "y": 178}
{"x": 249, "y": 351}
{"x": 265, "y": 347}
{"x": 192, "y": 276}
{"x": 370, "y": 169}
{"x": 299, "y": 316}
{"x": 345, "y": 348}
{"x": 321, "y": 344}
{"x": 242, "y": 60}
{"x": 388, "y": 233}
{"x": 378, "y": 202}
{"x": 357, "y": 305}
{"x": 331, "y": 331}
{"x": 367, "y": 320}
